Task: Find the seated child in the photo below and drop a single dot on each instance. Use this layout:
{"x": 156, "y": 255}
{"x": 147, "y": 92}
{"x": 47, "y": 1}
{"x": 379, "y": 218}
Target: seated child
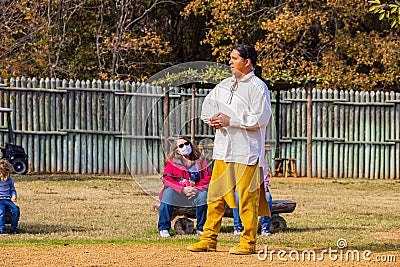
{"x": 8, "y": 195}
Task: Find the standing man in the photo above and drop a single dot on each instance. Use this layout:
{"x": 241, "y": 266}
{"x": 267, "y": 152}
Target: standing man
{"x": 239, "y": 108}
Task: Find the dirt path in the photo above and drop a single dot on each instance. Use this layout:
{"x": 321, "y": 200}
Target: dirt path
{"x": 155, "y": 255}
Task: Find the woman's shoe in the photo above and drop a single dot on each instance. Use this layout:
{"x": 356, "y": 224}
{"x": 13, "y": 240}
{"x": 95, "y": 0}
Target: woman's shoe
{"x": 165, "y": 234}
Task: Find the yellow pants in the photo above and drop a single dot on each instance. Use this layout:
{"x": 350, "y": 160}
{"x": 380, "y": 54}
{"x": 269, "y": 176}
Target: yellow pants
{"x": 248, "y": 181}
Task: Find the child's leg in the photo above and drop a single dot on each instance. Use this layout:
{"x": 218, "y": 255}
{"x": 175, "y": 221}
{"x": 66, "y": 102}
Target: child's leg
{"x": 237, "y": 223}
{"x": 265, "y": 220}
{"x": 2, "y": 217}
{"x": 14, "y": 210}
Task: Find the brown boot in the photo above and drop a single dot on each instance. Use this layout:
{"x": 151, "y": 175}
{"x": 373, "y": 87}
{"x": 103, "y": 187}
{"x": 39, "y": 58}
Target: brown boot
{"x": 242, "y": 250}
{"x": 203, "y": 246}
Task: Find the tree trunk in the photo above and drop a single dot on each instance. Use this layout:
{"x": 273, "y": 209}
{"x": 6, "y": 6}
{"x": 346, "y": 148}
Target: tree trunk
{"x": 182, "y": 225}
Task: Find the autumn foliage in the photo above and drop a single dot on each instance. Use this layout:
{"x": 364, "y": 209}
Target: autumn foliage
{"x": 338, "y": 41}
{"x": 343, "y": 43}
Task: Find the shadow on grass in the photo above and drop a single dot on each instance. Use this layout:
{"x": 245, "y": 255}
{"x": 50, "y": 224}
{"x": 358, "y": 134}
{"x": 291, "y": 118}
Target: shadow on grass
{"x": 317, "y": 229}
{"x": 229, "y": 229}
{"x": 226, "y": 229}
{"x": 68, "y": 177}
{"x": 48, "y": 229}
{"x": 378, "y": 247}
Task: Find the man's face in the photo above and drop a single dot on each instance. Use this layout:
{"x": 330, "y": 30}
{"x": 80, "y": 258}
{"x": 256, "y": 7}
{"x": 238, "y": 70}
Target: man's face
{"x": 239, "y": 66}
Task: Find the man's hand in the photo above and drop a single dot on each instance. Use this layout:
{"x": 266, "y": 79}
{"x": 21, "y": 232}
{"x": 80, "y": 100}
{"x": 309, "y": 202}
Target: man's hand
{"x": 13, "y": 198}
{"x": 219, "y": 120}
{"x": 214, "y": 123}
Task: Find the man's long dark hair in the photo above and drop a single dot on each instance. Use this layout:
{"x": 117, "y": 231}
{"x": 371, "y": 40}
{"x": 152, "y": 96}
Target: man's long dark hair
{"x": 258, "y": 73}
{"x": 247, "y": 52}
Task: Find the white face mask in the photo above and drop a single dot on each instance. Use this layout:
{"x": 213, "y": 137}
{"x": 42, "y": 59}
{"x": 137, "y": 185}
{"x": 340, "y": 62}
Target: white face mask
{"x": 185, "y": 150}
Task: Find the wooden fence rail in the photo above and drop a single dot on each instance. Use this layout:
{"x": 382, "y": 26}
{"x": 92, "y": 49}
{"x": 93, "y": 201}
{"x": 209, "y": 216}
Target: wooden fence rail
{"x": 118, "y": 127}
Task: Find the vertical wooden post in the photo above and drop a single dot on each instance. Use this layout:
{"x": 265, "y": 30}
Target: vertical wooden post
{"x": 166, "y": 122}
{"x": 192, "y": 118}
{"x": 309, "y": 130}
{"x": 277, "y": 123}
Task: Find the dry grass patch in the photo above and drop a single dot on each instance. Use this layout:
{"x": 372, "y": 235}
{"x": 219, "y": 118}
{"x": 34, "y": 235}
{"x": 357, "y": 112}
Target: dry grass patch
{"x": 75, "y": 207}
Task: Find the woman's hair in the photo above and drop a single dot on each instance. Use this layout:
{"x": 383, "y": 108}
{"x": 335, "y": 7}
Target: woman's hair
{"x": 5, "y": 169}
{"x": 173, "y": 154}
{"x": 247, "y": 52}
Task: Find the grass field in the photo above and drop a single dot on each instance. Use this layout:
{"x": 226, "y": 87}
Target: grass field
{"x": 75, "y": 209}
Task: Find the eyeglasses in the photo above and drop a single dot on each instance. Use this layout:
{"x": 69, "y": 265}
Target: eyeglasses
{"x": 184, "y": 144}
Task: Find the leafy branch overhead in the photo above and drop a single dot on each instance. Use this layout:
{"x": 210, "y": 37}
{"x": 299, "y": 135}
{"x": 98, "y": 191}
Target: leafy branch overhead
{"x": 337, "y": 42}
{"x": 345, "y": 44}
{"x": 206, "y": 75}
{"x": 387, "y": 10}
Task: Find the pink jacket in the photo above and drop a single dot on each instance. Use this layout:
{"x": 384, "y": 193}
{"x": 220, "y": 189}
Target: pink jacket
{"x": 177, "y": 176}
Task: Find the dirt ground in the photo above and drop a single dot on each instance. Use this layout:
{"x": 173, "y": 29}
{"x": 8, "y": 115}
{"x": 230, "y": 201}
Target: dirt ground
{"x": 163, "y": 255}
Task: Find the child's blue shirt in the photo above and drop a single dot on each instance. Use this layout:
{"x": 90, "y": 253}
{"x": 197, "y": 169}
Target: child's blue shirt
{"x": 7, "y": 189}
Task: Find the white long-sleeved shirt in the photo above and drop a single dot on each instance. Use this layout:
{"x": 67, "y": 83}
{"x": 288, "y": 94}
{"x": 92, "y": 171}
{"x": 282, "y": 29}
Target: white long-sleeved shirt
{"x": 243, "y": 141}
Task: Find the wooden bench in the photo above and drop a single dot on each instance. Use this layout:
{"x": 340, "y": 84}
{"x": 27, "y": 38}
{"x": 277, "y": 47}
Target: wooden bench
{"x": 7, "y": 217}
{"x": 183, "y": 225}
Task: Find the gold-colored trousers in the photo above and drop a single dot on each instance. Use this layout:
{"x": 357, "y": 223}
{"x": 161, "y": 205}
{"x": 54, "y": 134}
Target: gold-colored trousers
{"x": 248, "y": 182}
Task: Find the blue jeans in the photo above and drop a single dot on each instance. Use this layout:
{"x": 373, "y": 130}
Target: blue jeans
{"x": 265, "y": 220}
{"x": 6, "y": 204}
{"x": 170, "y": 196}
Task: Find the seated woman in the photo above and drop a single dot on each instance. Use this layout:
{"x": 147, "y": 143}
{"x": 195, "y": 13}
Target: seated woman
{"x": 186, "y": 179}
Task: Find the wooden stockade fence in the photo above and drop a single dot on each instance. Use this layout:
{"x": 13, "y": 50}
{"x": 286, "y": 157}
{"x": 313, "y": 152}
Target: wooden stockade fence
{"x": 355, "y": 134}
{"x": 117, "y": 127}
